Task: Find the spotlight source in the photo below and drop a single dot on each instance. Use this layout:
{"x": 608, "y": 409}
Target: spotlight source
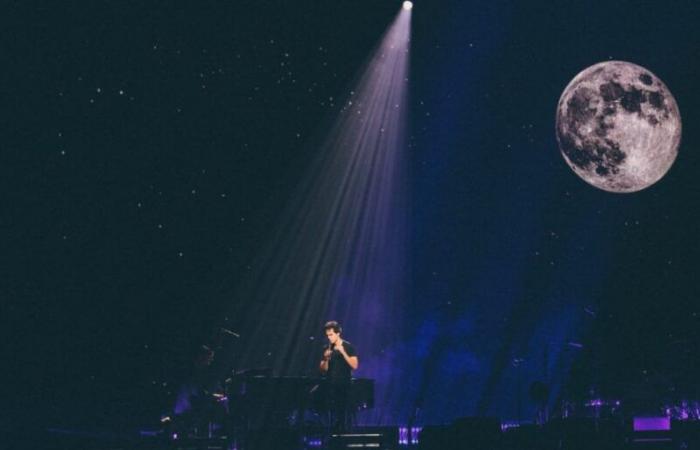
{"x": 407, "y": 5}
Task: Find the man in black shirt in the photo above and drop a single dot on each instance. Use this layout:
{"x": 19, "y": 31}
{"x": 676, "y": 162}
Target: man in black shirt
{"x": 339, "y": 360}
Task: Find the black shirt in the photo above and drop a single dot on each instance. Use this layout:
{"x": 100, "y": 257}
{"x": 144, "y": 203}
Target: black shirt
{"x": 339, "y": 371}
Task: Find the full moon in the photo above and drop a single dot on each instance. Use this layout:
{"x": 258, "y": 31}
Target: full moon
{"x": 618, "y": 126}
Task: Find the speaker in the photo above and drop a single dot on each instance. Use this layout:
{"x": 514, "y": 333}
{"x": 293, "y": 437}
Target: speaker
{"x": 476, "y": 433}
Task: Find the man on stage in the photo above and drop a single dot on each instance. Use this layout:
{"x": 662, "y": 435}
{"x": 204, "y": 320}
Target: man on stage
{"x": 339, "y": 360}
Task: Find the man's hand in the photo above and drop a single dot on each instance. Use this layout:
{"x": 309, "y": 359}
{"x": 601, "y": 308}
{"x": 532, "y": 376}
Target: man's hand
{"x": 327, "y": 354}
{"x": 339, "y": 346}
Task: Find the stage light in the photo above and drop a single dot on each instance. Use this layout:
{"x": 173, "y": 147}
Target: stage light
{"x": 407, "y": 5}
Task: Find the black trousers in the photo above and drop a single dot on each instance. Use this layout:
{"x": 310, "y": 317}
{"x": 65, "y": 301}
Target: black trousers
{"x": 338, "y": 398}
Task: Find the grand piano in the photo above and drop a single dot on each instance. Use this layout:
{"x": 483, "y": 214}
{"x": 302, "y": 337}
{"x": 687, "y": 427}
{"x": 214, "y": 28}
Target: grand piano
{"x": 259, "y": 400}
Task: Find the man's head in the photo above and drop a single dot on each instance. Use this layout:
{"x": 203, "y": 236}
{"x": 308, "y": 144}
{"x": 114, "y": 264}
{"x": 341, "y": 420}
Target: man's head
{"x": 333, "y": 331}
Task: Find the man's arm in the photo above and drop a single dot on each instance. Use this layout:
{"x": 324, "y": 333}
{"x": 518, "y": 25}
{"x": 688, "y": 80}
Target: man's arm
{"x": 323, "y": 366}
{"x": 352, "y": 361}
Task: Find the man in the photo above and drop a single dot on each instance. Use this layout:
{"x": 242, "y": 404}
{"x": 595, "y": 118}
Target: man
{"x": 338, "y": 362}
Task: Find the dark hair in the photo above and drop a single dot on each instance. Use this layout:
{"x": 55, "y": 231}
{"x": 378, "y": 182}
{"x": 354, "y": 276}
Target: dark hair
{"x": 332, "y": 325}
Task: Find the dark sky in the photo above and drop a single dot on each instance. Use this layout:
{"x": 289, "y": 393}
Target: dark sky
{"x": 148, "y": 149}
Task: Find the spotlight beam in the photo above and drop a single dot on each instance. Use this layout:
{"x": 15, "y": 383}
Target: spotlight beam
{"x": 339, "y": 251}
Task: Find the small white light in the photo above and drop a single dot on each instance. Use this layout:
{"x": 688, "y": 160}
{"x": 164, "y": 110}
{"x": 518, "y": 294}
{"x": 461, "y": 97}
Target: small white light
{"x": 407, "y": 5}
